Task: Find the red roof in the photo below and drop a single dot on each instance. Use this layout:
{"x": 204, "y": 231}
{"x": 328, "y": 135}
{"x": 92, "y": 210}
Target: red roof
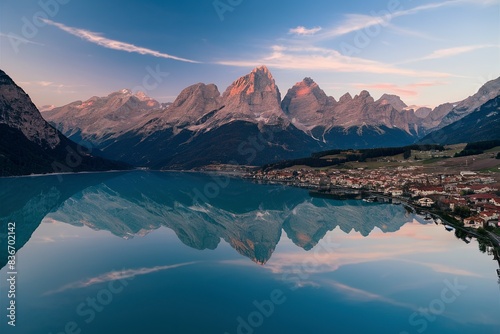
{"x": 480, "y": 186}
{"x": 428, "y": 188}
{"x": 482, "y": 196}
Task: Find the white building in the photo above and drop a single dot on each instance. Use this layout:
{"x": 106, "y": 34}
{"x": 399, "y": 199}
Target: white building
{"x": 425, "y": 202}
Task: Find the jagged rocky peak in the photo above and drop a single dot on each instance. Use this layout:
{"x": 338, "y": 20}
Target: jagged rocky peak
{"x": 394, "y": 100}
{"x": 124, "y": 96}
{"x": 363, "y": 110}
{"x": 488, "y": 91}
{"x": 308, "y": 87}
{"x": 308, "y": 84}
{"x": 421, "y": 112}
{"x": 129, "y": 92}
{"x": 116, "y": 104}
{"x": 124, "y": 91}
{"x": 102, "y": 117}
{"x": 258, "y": 84}
{"x": 253, "y": 97}
{"x": 309, "y": 81}
{"x": 306, "y": 91}
{"x": 18, "y": 111}
{"x": 143, "y": 97}
{"x": 364, "y": 96}
{"x": 491, "y": 87}
{"x": 307, "y": 105}
{"x": 345, "y": 98}
{"x": 197, "y": 93}
{"x": 193, "y": 103}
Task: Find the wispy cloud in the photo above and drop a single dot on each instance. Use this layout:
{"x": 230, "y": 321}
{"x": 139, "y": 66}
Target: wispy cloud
{"x": 365, "y": 296}
{"x": 54, "y": 87}
{"x": 413, "y": 33}
{"x": 451, "y": 52}
{"x": 355, "y": 22}
{"x": 303, "y": 31}
{"x": 44, "y": 240}
{"x": 315, "y": 58}
{"x": 38, "y": 83}
{"x": 97, "y": 38}
{"x": 481, "y": 2}
{"x": 429, "y": 6}
{"x": 449, "y": 270}
{"x": 408, "y": 90}
{"x": 114, "y": 276}
{"x": 303, "y": 54}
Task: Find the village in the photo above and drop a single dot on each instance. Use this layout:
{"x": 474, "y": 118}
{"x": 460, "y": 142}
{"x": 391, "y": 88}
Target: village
{"x": 471, "y": 198}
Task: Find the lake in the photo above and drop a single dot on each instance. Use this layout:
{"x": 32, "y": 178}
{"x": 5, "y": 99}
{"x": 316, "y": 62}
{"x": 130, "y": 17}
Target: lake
{"x": 150, "y": 252}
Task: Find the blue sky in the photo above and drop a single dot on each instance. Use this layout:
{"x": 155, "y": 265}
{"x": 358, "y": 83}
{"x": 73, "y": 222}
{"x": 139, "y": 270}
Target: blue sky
{"x": 428, "y": 52}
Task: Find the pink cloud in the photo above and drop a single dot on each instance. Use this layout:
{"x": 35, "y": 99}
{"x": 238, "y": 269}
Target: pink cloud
{"x": 409, "y": 90}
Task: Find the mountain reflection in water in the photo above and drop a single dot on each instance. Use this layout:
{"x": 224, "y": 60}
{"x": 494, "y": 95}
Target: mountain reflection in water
{"x": 248, "y": 216}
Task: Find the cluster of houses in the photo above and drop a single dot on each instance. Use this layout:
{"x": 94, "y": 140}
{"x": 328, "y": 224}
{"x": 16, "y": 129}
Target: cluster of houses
{"x": 469, "y": 192}
{"x": 485, "y": 209}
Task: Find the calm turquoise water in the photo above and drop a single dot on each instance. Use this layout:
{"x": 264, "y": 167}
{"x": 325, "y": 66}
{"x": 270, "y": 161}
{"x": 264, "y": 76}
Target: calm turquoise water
{"x": 186, "y": 253}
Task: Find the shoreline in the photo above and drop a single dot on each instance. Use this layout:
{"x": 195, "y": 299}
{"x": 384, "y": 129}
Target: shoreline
{"x": 310, "y": 187}
{"x": 68, "y": 173}
{"x": 414, "y": 208}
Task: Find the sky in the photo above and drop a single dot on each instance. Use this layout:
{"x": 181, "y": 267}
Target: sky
{"x": 426, "y": 51}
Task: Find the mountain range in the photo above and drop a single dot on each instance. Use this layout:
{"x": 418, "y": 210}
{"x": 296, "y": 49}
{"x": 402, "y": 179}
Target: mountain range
{"x": 480, "y": 125}
{"x": 248, "y": 124}
{"x": 29, "y": 145}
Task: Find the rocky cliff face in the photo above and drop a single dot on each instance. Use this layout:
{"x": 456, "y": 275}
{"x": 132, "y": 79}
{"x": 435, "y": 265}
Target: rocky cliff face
{"x": 193, "y": 103}
{"x": 436, "y": 115}
{"x": 245, "y": 125}
{"x": 363, "y": 110}
{"x": 192, "y": 108}
{"x": 254, "y": 98}
{"x": 103, "y": 117}
{"x": 480, "y": 125}
{"x": 29, "y": 145}
{"x": 307, "y": 106}
{"x": 421, "y": 112}
{"x": 201, "y": 122}
{"x": 18, "y": 112}
{"x": 461, "y": 109}
{"x": 394, "y": 100}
